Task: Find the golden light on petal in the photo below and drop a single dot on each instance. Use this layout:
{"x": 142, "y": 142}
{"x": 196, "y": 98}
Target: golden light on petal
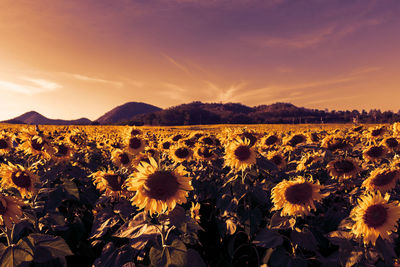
{"x": 20, "y": 178}
{"x": 296, "y": 197}
{"x": 239, "y": 155}
{"x": 382, "y": 180}
{"x": 343, "y": 168}
{"x": 375, "y": 216}
{"x": 158, "y": 189}
{"x": 10, "y": 210}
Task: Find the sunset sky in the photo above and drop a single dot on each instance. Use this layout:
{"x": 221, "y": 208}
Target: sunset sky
{"x": 70, "y": 59}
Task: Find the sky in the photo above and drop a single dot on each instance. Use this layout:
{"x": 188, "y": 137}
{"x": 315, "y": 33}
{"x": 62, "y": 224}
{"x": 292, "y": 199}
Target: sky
{"x": 71, "y": 59}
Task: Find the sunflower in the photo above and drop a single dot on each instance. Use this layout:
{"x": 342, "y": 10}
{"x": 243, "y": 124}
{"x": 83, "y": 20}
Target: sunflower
{"x": 164, "y": 145}
{"x": 207, "y": 140}
{"x": 110, "y": 182}
{"x": 295, "y": 140}
{"x": 36, "y": 143}
{"x": 343, "y": 168}
{"x": 63, "y": 152}
{"x": 252, "y": 136}
{"x": 374, "y": 153}
{"x": 277, "y": 158}
{"x": 308, "y": 160}
{"x": 18, "y": 177}
{"x": 180, "y": 153}
{"x": 135, "y": 131}
{"x": 239, "y": 155}
{"x": 204, "y": 153}
{"x": 296, "y": 197}
{"x": 270, "y": 140}
{"x": 157, "y": 188}
{"x": 135, "y": 144}
{"x": 375, "y": 216}
{"x": 382, "y": 179}
{"x": 77, "y": 138}
{"x": 195, "y": 212}
{"x": 313, "y": 137}
{"x": 396, "y": 128}
{"x": 376, "y": 132}
{"x": 10, "y": 210}
{"x": 121, "y": 158}
{"x": 5, "y": 144}
{"x": 335, "y": 142}
{"x": 391, "y": 143}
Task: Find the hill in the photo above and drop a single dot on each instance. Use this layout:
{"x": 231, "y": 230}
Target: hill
{"x": 126, "y": 112}
{"x": 34, "y": 117}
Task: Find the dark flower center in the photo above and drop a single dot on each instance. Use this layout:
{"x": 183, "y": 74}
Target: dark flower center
{"x": 297, "y": 139}
{"x": 182, "y": 152}
{"x": 376, "y": 132}
{"x": 190, "y": 142}
{"x": 176, "y": 137}
{"x": 36, "y": 144}
{"x": 337, "y": 143}
{"x": 314, "y": 137}
{"x": 271, "y": 140}
{"x": 384, "y": 178}
{"x": 343, "y": 166}
{"x": 162, "y": 185}
{"x": 299, "y": 193}
{"x": 135, "y": 132}
{"x": 123, "y": 158}
{"x": 3, "y": 206}
{"x": 166, "y": 145}
{"x": 392, "y": 142}
{"x": 375, "y": 215}
{"x": 62, "y": 150}
{"x": 277, "y": 160}
{"x": 135, "y": 143}
{"x": 3, "y": 144}
{"x": 242, "y": 153}
{"x": 21, "y": 179}
{"x": 375, "y": 152}
{"x": 114, "y": 182}
{"x": 208, "y": 141}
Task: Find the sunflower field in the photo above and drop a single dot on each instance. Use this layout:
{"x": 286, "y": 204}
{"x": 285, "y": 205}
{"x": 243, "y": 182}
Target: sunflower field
{"x": 263, "y": 195}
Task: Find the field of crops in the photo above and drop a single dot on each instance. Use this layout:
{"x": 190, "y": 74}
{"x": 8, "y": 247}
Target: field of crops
{"x": 264, "y": 195}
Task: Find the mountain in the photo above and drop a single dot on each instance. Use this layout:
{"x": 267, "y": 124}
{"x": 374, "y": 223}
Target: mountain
{"x": 33, "y": 117}
{"x": 126, "y": 112}
{"x": 236, "y": 113}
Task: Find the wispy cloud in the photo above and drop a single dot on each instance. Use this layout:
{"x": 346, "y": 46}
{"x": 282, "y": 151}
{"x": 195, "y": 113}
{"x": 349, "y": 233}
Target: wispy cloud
{"x": 29, "y": 86}
{"x": 178, "y": 65}
{"x": 313, "y": 38}
{"x": 94, "y": 79}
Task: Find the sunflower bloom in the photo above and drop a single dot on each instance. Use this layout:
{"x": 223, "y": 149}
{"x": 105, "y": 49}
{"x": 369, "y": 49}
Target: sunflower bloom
{"x": 343, "y": 168}
{"x": 5, "y": 144}
{"x": 375, "y": 216}
{"x": 239, "y": 155}
{"x": 374, "y": 153}
{"x": 121, "y": 158}
{"x": 180, "y": 153}
{"x": 10, "y": 210}
{"x": 20, "y": 178}
{"x": 111, "y": 183}
{"x": 383, "y": 180}
{"x": 296, "y": 197}
{"x": 158, "y": 189}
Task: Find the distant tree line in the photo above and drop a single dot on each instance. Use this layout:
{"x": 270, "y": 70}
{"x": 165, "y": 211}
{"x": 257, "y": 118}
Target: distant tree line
{"x": 196, "y": 113}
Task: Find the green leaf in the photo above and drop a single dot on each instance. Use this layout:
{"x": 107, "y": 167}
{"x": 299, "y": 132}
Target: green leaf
{"x": 267, "y": 238}
{"x": 304, "y": 238}
{"x": 47, "y": 247}
{"x": 172, "y": 255}
{"x": 18, "y": 255}
{"x": 71, "y": 188}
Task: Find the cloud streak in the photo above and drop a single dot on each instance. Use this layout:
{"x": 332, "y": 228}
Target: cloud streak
{"x": 29, "y": 86}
